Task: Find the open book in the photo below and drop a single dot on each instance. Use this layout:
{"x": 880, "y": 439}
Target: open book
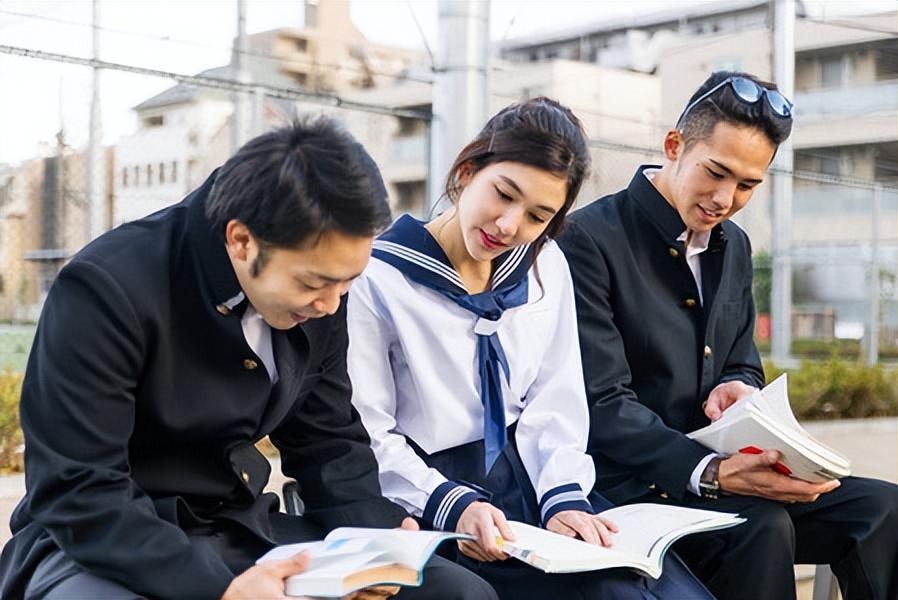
{"x": 352, "y": 558}
{"x": 764, "y": 421}
{"x": 646, "y": 533}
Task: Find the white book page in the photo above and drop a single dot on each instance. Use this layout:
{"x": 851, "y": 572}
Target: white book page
{"x": 339, "y": 554}
{"x": 409, "y": 548}
{"x": 647, "y": 529}
{"x": 556, "y": 548}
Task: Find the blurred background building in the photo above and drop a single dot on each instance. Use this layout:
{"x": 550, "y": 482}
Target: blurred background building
{"x": 627, "y": 77}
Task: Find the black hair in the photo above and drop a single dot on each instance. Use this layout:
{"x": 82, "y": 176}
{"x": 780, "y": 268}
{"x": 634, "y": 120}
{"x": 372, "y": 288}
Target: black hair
{"x": 725, "y": 106}
{"x": 539, "y": 132}
{"x": 292, "y": 185}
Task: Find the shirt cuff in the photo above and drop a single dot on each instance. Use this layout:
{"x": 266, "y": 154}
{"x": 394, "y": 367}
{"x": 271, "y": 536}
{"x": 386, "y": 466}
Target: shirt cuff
{"x": 564, "y": 497}
{"x": 697, "y": 473}
{"x": 447, "y": 503}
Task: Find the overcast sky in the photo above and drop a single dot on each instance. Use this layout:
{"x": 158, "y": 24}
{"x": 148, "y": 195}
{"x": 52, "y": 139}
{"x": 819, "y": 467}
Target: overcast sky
{"x": 187, "y": 36}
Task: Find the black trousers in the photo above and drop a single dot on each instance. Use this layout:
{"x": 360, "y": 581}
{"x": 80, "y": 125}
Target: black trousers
{"x": 854, "y": 529}
{"x": 57, "y": 577}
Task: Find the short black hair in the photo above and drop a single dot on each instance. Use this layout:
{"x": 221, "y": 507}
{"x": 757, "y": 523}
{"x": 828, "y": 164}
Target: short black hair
{"x": 291, "y": 185}
{"x": 724, "y": 106}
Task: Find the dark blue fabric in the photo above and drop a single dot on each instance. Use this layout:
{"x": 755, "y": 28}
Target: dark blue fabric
{"x": 434, "y": 271}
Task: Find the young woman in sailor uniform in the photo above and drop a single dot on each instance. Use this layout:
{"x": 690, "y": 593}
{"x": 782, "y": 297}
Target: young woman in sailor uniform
{"x": 465, "y": 361}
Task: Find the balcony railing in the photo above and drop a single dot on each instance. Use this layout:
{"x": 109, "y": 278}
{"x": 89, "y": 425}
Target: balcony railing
{"x": 847, "y": 101}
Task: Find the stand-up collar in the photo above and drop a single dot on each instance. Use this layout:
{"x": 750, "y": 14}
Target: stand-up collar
{"x": 214, "y": 265}
{"x": 660, "y": 212}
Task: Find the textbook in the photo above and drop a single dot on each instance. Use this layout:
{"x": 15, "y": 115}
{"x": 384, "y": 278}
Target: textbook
{"x": 646, "y": 533}
{"x": 764, "y": 421}
{"x": 352, "y": 558}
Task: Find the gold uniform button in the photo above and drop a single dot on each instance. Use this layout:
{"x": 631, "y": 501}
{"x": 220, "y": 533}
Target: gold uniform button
{"x": 664, "y": 495}
{"x": 708, "y": 352}
{"x": 673, "y": 252}
{"x": 244, "y": 476}
{"x": 690, "y": 303}
{"x": 652, "y": 486}
{"x": 249, "y": 364}
{"x": 223, "y": 310}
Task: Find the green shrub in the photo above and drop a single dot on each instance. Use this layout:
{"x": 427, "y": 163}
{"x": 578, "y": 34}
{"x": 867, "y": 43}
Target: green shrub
{"x": 838, "y": 389}
{"x": 10, "y": 430}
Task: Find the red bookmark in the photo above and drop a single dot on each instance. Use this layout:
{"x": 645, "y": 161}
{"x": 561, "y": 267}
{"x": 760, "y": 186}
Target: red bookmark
{"x": 778, "y": 467}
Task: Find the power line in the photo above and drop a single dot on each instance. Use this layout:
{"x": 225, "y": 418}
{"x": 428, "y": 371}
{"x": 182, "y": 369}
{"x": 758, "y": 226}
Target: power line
{"x": 222, "y": 84}
{"x": 250, "y": 53}
{"x": 852, "y": 25}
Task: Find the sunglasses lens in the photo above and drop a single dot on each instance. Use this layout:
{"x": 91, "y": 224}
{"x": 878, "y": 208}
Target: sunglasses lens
{"x": 778, "y": 103}
{"x": 747, "y": 89}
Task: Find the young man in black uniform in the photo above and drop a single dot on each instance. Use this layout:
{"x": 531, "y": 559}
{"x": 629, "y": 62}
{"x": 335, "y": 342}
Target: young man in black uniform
{"x": 166, "y": 349}
{"x": 662, "y": 280}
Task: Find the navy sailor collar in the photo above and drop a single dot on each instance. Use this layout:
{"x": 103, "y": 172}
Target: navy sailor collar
{"x": 409, "y": 246}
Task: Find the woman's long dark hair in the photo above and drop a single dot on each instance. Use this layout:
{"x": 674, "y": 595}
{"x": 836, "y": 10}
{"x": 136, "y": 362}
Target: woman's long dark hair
{"x": 540, "y": 133}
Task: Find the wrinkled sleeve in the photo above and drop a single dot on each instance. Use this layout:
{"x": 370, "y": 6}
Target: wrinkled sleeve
{"x": 553, "y": 427}
{"x": 621, "y": 428}
{"x": 77, "y": 413}
{"x": 405, "y": 478}
{"x": 325, "y": 447}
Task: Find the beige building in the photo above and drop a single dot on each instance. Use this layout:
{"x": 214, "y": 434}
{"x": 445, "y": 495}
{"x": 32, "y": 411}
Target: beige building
{"x": 184, "y": 132}
{"x": 328, "y": 54}
{"x": 617, "y": 107}
{"x": 43, "y": 222}
{"x": 845, "y": 142}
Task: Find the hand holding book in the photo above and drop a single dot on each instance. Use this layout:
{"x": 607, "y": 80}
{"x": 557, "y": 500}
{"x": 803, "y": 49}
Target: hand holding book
{"x": 756, "y": 475}
{"x": 483, "y": 520}
{"x": 769, "y": 453}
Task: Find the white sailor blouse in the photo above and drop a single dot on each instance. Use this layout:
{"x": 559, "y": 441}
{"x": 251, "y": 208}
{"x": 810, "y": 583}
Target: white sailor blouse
{"x": 421, "y": 350}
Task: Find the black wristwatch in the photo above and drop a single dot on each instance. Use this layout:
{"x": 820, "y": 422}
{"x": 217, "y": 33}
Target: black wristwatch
{"x": 708, "y": 484}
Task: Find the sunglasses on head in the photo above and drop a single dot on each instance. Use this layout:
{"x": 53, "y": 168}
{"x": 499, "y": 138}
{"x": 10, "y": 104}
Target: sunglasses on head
{"x": 749, "y": 92}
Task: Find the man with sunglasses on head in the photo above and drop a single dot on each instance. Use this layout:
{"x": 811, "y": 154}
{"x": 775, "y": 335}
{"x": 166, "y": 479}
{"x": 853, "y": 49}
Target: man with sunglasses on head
{"x": 663, "y": 287}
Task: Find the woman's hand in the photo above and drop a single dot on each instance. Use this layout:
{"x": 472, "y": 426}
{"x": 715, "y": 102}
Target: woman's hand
{"x": 589, "y": 528}
{"x": 482, "y": 520}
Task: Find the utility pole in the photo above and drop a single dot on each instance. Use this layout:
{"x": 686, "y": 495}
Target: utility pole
{"x": 461, "y": 86}
{"x": 784, "y": 75}
{"x": 871, "y": 333}
{"x": 239, "y": 100}
{"x": 96, "y": 221}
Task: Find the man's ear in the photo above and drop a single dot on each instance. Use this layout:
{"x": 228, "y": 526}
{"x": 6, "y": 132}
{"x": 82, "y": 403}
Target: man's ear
{"x": 674, "y": 145}
{"x": 238, "y": 240}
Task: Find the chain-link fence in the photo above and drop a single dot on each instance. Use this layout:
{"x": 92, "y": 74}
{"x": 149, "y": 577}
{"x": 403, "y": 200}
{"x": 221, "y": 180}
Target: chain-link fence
{"x": 51, "y": 202}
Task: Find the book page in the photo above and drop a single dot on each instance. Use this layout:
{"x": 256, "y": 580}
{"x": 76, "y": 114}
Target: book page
{"x": 403, "y": 546}
{"x": 646, "y": 529}
{"x": 561, "y": 553}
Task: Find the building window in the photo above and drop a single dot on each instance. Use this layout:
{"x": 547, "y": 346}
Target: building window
{"x": 831, "y": 71}
{"x": 156, "y": 121}
{"x": 311, "y": 19}
{"x": 161, "y": 172}
{"x": 136, "y": 176}
{"x": 149, "y": 174}
{"x": 124, "y": 176}
{"x": 174, "y": 171}
{"x": 886, "y": 63}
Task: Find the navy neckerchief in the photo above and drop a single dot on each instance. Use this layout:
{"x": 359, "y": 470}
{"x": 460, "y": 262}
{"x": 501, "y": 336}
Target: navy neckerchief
{"x": 410, "y": 248}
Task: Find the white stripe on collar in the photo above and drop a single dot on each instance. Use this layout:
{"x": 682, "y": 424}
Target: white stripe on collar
{"x": 420, "y": 259}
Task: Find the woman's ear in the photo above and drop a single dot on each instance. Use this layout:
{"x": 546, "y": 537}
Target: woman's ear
{"x": 465, "y": 173}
